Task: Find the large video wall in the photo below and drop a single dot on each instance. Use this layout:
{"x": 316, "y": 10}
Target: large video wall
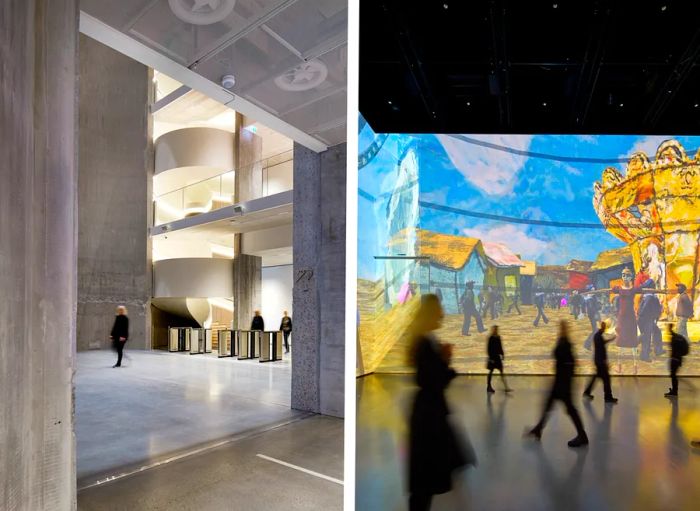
{"x": 522, "y": 231}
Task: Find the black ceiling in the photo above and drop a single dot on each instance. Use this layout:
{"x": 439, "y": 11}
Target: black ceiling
{"x": 528, "y": 66}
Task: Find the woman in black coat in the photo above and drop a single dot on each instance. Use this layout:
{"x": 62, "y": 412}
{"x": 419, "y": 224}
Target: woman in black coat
{"x": 434, "y": 450}
{"x": 120, "y": 333}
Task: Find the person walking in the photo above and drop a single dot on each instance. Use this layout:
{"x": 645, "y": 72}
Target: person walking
{"x": 539, "y": 303}
{"x": 286, "y": 327}
{"x": 514, "y": 302}
{"x": 600, "y": 357}
{"x": 684, "y": 310}
{"x": 649, "y": 312}
{"x": 494, "y": 349}
{"x": 258, "y": 322}
{"x": 679, "y": 349}
{"x": 434, "y": 450}
{"x": 592, "y": 309}
{"x": 469, "y": 310}
{"x": 120, "y": 333}
{"x": 561, "y": 390}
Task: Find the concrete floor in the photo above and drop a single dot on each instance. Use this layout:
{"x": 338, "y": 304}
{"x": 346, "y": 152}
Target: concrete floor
{"x": 639, "y": 457}
{"x": 162, "y": 404}
{"x": 234, "y": 477}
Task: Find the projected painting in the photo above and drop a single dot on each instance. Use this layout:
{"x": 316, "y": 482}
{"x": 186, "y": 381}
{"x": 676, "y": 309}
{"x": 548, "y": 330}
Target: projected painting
{"x": 524, "y": 231}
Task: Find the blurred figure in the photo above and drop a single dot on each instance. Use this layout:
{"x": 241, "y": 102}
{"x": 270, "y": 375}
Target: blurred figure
{"x": 684, "y": 310}
{"x": 695, "y": 443}
{"x": 496, "y": 356}
{"x": 434, "y": 450}
{"x": 286, "y": 327}
{"x": 469, "y": 310}
{"x": 514, "y": 302}
{"x": 258, "y": 322}
{"x": 600, "y": 357}
{"x": 561, "y": 390}
{"x": 592, "y": 309}
{"x": 539, "y": 303}
{"x": 648, "y": 314}
{"x": 679, "y": 349}
{"x": 120, "y": 333}
{"x": 492, "y": 297}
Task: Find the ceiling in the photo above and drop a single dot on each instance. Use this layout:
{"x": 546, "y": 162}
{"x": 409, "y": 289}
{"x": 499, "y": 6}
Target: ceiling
{"x": 262, "y": 43}
{"x": 513, "y": 66}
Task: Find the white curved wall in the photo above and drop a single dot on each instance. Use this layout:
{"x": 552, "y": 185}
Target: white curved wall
{"x": 193, "y": 278}
{"x": 194, "y": 147}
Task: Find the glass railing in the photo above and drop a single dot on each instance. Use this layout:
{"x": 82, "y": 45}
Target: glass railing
{"x": 218, "y": 192}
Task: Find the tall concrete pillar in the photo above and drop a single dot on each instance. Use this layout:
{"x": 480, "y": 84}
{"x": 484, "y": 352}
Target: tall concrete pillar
{"x": 38, "y": 250}
{"x": 116, "y": 169}
{"x": 247, "y": 289}
{"x": 318, "y": 359}
{"x": 248, "y": 157}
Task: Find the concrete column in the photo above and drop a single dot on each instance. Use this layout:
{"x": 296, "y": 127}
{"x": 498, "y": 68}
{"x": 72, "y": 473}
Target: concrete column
{"x": 248, "y": 154}
{"x": 116, "y": 168}
{"x": 38, "y": 250}
{"x": 247, "y": 289}
{"x": 319, "y": 280}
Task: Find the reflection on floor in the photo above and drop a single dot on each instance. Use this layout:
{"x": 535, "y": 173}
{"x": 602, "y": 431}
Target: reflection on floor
{"x": 639, "y": 457}
{"x": 236, "y": 476}
{"x": 161, "y": 403}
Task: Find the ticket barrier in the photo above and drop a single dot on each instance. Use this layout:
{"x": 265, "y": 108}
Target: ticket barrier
{"x": 179, "y": 338}
{"x": 228, "y": 343}
{"x": 271, "y": 346}
{"x": 248, "y": 344}
{"x": 200, "y": 341}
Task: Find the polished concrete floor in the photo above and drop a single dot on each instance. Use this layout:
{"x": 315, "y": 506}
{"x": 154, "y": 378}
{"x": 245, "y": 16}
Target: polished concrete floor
{"x": 243, "y": 475}
{"x": 161, "y": 404}
{"x": 639, "y": 457}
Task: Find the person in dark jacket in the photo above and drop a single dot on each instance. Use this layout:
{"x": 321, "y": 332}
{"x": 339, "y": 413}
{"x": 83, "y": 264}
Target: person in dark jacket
{"x": 561, "y": 390}
{"x": 647, "y": 315}
{"x": 684, "y": 310}
{"x": 120, "y": 333}
{"x": 258, "y": 322}
{"x": 469, "y": 310}
{"x": 600, "y": 358}
{"x": 539, "y": 303}
{"x": 434, "y": 449}
{"x": 592, "y": 309}
{"x": 286, "y": 327}
{"x": 496, "y": 356}
{"x": 679, "y": 349}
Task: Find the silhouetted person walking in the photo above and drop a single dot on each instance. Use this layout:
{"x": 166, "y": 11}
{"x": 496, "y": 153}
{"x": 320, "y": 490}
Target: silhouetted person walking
{"x": 494, "y": 349}
{"x": 600, "y": 358}
{"x": 649, "y": 312}
{"x": 120, "y": 333}
{"x": 258, "y": 322}
{"x": 434, "y": 451}
{"x": 469, "y": 310}
{"x": 684, "y": 310}
{"x": 514, "y": 302}
{"x": 679, "y": 349}
{"x": 286, "y": 327}
{"x": 539, "y": 303}
{"x": 561, "y": 390}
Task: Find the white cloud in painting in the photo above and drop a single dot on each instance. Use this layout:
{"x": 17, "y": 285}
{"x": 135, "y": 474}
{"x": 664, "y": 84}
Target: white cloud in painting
{"x": 492, "y": 171}
{"x": 589, "y": 139}
{"x": 648, "y": 145}
{"x": 514, "y": 237}
{"x": 437, "y": 196}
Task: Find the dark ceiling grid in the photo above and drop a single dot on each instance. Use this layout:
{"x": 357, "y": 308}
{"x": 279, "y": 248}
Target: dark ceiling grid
{"x": 510, "y": 66}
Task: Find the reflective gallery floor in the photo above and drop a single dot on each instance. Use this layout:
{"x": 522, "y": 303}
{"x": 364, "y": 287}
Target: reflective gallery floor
{"x": 639, "y": 457}
{"x": 161, "y": 403}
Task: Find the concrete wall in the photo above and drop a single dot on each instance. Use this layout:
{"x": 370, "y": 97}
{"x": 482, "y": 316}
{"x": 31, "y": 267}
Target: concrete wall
{"x": 277, "y": 284}
{"x": 114, "y": 195}
{"x": 38, "y": 181}
{"x": 319, "y": 280}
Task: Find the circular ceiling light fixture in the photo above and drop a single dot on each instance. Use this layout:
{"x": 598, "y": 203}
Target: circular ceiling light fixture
{"x": 305, "y": 76}
{"x": 202, "y": 12}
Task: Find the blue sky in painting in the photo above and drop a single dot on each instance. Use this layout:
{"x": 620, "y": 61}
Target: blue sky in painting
{"x": 474, "y": 178}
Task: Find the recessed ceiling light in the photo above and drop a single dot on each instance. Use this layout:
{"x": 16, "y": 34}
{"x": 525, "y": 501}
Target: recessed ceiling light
{"x": 663, "y": 8}
{"x": 544, "y": 103}
{"x": 469, "y": 103}
{"x": 389, "y": 102}
{"x": 445, "y": 6}
{"x": 622, "y": 104}
{"x": 696, "y": 105}
{"x": 554, "y": 6}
